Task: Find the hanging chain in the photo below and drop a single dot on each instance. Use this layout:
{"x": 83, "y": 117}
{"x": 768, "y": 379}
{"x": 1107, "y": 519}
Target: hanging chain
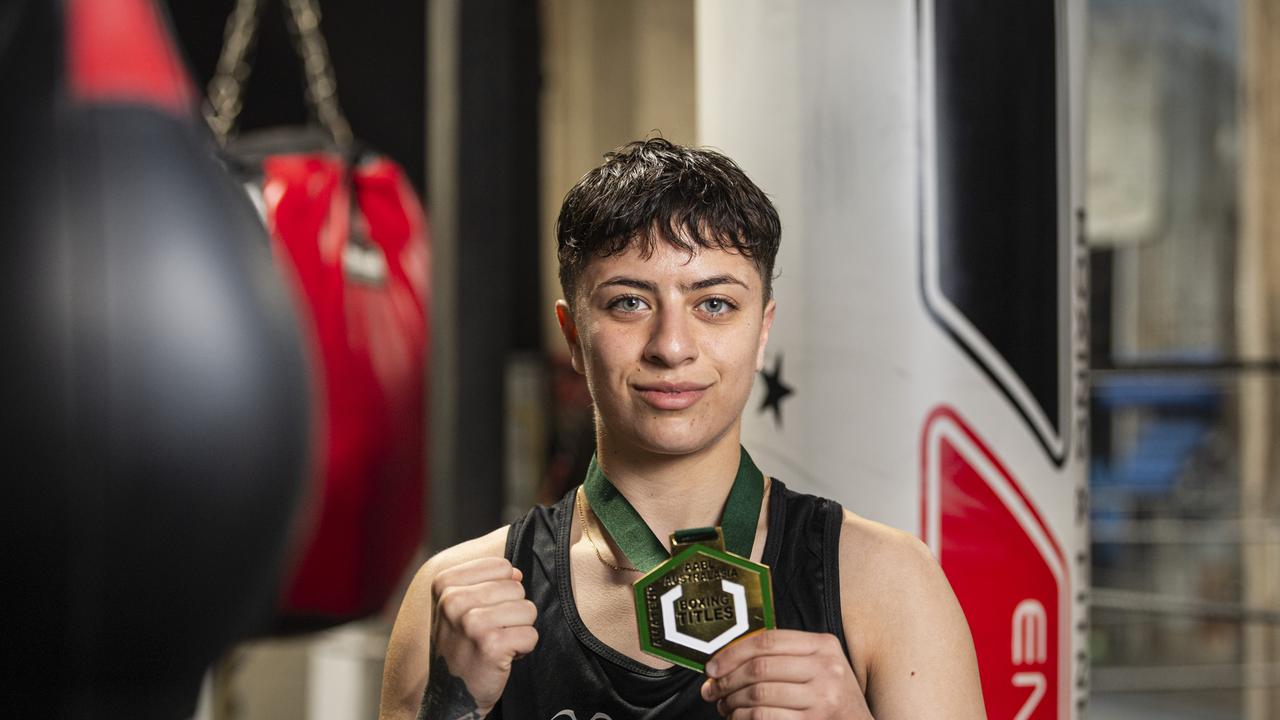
{"x": 226, "y": 89}
{"x": 322, "y": 85}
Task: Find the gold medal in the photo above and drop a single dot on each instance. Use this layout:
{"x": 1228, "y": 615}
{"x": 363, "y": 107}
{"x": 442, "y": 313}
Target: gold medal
{"x": 701, "y": 599}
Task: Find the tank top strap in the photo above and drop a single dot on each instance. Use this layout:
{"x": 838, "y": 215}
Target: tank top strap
{"x": 806, "y": 563}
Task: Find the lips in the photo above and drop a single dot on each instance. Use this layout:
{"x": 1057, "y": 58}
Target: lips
{"x": 671, "y": 396}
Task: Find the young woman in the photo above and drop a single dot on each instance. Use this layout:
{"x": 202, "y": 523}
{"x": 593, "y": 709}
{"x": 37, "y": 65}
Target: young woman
{"x": 666, "y": 257}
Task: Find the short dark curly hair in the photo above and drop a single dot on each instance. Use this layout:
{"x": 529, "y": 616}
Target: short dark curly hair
{"x": 690, "y": 197}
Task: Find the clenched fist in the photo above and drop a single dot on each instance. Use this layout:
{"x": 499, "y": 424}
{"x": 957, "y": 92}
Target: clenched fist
{"x": 482, "y": 624}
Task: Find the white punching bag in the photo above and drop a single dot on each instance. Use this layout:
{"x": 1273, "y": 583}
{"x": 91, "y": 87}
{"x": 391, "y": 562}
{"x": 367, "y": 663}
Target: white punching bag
{"x": 926, "y": 365}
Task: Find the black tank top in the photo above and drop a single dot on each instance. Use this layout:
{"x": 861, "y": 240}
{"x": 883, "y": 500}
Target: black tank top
{"x": 572, "y": 675}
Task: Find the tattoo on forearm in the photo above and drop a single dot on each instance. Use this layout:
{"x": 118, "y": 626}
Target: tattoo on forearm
{"x": 446, "y": 696}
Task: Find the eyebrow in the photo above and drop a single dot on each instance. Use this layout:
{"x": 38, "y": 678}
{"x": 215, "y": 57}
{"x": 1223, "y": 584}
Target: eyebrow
{"x": 714, "y": 280}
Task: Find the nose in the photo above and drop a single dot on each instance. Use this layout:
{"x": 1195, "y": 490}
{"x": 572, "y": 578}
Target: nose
{"x": 671, "y": 340}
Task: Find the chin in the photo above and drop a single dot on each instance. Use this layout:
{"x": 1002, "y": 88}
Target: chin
{"x": 680, "y": 446}
{"x": 675, "y": 438}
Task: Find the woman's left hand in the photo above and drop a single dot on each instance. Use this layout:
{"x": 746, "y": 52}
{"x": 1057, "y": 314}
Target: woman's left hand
{"x": 784, "y": 674}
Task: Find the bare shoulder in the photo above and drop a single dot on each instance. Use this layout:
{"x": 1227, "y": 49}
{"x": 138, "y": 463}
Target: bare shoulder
{"x": 906, "y": 632}
{"x": 888, "y": 565}
{"x": 408, "y": 653}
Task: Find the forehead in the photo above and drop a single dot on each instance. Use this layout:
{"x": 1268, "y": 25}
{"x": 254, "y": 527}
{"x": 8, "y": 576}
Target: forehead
{"x": 666, "y": 264}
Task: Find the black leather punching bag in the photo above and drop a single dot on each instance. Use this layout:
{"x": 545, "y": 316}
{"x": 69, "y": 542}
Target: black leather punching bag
{"x": 154, "y": 390}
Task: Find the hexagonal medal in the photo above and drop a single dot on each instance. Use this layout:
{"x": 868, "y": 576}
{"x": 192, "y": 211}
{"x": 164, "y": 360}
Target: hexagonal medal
{"x": 701, "y": 599}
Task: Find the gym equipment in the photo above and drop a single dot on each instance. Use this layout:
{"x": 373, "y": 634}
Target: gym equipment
{"x": 155, "y": 393}
{"x": 346, "y": 224}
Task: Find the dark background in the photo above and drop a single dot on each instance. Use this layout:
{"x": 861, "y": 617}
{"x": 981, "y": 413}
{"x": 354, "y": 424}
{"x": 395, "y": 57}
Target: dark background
{"x": 379, "y": 57}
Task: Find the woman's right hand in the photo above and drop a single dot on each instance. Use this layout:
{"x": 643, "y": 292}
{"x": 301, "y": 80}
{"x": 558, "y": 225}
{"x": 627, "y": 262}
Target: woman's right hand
{"x": 483, "y": 622}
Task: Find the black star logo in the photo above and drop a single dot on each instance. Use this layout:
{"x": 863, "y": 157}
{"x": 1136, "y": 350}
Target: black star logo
{"x": 776, "y": 391}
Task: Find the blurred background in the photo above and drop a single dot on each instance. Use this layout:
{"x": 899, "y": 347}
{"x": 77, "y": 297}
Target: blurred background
{"x": 494, "y": 108}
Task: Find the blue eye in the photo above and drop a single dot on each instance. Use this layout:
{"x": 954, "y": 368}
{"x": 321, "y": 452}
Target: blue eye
{"x": 629, "y": 304}
{"x": 717, "y": 306}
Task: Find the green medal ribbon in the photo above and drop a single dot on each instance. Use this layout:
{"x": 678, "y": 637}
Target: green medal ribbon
{"x": 642, "y": 547}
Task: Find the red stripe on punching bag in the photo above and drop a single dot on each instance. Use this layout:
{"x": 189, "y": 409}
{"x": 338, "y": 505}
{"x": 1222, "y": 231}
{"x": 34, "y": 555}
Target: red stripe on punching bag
{"x": 1006, "y": 567}
{"x": 120, "y": 51}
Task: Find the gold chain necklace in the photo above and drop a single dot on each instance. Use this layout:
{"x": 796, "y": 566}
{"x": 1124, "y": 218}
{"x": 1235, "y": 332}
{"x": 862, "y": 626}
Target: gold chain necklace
{"x": 586, "y": 530}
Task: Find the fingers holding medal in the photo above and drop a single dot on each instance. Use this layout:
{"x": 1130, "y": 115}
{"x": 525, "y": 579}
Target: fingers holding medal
{"x": 789, "y": 672}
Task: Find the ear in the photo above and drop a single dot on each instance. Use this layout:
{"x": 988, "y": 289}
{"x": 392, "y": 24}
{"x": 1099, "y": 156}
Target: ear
{"x": 766, "y": 323}
{"x": 569, "y": 329}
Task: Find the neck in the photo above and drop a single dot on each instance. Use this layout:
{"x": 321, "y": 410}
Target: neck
{"x": 672, "y": 492}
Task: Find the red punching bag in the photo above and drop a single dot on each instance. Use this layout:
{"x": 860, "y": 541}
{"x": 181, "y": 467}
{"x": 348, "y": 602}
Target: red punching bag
{"x": 350, "y": 230}
{"x": 356, "y": 238}
{"x": 155, "y": 388}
